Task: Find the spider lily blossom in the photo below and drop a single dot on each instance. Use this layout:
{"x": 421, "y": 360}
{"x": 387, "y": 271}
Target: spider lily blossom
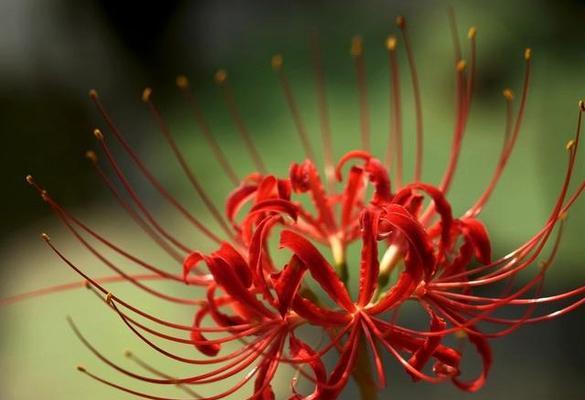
{"x": 252, "y": 313}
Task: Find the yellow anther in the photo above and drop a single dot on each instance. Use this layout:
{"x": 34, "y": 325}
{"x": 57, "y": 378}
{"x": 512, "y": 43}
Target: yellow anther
{"x": 391, "y": 43}
{"x": 109, "y": 298}
{"x": 277, "y": 62}
{"x": 356, "y": 46}
{"x": 98, "y": 134}
{"x": 81, "y": 369}
{"x": 91, "y": 156}
{"x": 93, "y": 94}
{"x": 570, "y": 145}
{"x": 45, "y": 237}
{"x": 146, "y": 93}
{"x": 563, "y": 216}
{"x": 182, "y": 81}
{"x": 400, "y": 22}
{"x": 528, "y": 54}
{"x": 472, "y": 32}
{"x": 220, "y": 76}
{"x": 29, "y": 179}
{"x": 508, "y": 94}
{"x": 581, "y": 105}
{"x": 461, "y": 64}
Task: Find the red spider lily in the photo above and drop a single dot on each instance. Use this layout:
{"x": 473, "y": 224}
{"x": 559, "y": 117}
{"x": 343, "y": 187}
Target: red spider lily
{"x": 413, "y": 249}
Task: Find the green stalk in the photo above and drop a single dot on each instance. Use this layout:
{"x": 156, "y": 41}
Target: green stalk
{"x": 362, "y": 374}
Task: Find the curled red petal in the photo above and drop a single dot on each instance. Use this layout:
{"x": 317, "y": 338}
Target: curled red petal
{"x": 190, "y": 264}
{"x": 419, "y": 242}
{"x": 356, "y": 154}
{"x": 199, "y": 340}
{"x": 401, "y": 290}
{"x": 304, "y": 177}
{"x": 442, "y": 207}
{"x": 302, "y": 351}
{"x": 352, "y": 194}
{"x": 219, "y": 317}
{"x": 319, "y": 268}
{"x": 477, "y": 232}
{"x": 426, "y": 351}
{"x": 287, "y": 282}
{"x": 483, "y": 348}
{"x": 369, "y": 264}
{"x": 237, "y": 199}
{"x": 256, "y": 254}
{"x": 235, "y": 261}
{"x": 228, "y": 279}
{"x": 378, "y": 175}
{"x": 276, "y": 205}
{"x": 318, "y": 315}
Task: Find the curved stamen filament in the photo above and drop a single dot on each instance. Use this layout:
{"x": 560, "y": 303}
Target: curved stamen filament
{"x": 201, "y": 122}
{"x": 221, "y": 78}
{"x": 278, "y": 66}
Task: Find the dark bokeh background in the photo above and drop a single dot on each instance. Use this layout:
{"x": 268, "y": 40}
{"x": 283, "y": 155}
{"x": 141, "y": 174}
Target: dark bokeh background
{"x": 52, "y": 53}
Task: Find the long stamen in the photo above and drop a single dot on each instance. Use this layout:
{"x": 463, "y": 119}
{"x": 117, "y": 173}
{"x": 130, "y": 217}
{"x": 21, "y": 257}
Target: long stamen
{"x": 67, "y": 219}
{"x": 471, "y": 35}
{"x": 221, "y": 78}
{"x": 512, "y": 134}
{"x": 183, "y": 84}
{"x": 323, "y": 112}
{"x": 401, "y": 22}
{"x": 92, "y": 157}
{"x": 164, "y": 128}
{"x": 143, "y": 364}
{"x": 395, "y": 141}
{"x": 278, "y": 66}
{"x": 357, "y": 52}
{"x": 145, "y": 171}
{"x": 136, "y": 199}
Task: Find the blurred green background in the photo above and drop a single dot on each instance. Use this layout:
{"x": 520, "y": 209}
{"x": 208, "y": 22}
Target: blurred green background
{"x": 51, "y": 53}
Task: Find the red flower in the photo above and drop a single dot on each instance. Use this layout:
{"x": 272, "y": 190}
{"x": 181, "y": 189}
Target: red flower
{"x": 413, "y": 249}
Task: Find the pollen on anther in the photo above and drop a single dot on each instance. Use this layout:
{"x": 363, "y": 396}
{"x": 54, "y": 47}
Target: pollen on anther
{"x": 93, "y": 94}
{"x": 277, "y": 62}
{"x": 98, "y": 134}
{"x": 508, "y": 94}
{"x": 29, "y": 179}
{"x": 570, "y": 145}
{"x": 45, "y": 237}
{"x": 581, "y": 105}
{"x": 146, "y": 93}
{"x": 563, "y": 216}
{"x": 527, "y": 54}
{"x": 109, "y": 298}
{"x": 472, "y": 32}
{"x": 220, "y": 76}
{"x": 182, "y": 81}
{"x": 81, "y": 368}
{"x": 391, "y": 42}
